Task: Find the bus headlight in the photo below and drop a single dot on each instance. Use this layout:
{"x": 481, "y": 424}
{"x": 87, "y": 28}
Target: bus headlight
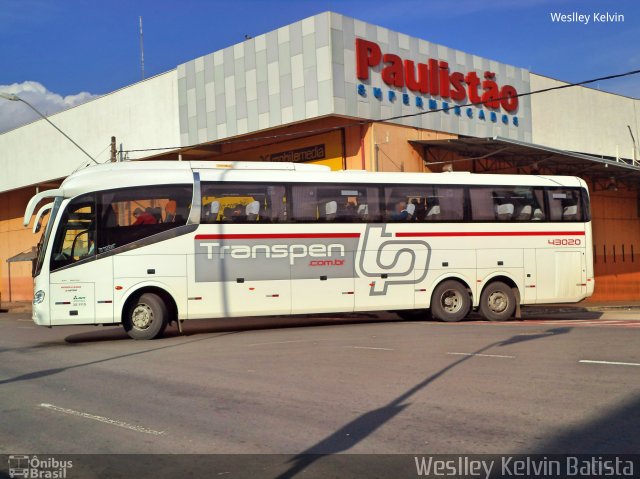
{"x": 38, "y": 297}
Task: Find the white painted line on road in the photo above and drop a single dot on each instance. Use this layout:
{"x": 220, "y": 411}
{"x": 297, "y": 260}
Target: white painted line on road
{"x": 366, "y": 347}
{"x": 615, "y": 363}
{"x": 289, "y": 342}
{"x": 103, "y": 419}
{"x": 482, "y": 355}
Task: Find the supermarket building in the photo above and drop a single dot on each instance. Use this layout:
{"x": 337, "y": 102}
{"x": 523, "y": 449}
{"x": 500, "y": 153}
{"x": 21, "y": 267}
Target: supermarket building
{"x": 334, "y": 90}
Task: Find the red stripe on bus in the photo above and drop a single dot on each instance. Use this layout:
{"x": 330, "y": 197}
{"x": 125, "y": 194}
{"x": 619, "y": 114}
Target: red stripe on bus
{"x": 494, "y": 233}
{"x": 278, "y": 236}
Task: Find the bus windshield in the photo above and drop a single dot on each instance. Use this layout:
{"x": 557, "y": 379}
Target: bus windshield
{"x": 44, "y": 239}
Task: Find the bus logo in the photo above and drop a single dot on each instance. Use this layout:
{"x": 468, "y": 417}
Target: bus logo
{"x": 377, "y": 254}
{"x": 393, "y": 261}
{"x": 289, "y": 251}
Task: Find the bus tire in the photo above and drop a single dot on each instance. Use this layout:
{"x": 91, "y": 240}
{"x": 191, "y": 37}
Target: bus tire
{"x": 450, "y": 301}
{"x": 497, "y": 302}
{"x": 146, "y": 317}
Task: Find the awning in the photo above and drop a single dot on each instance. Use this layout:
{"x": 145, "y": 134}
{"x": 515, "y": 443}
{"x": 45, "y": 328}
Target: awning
{"x": 494, "y": 154}
{"x": 25, "y": 256}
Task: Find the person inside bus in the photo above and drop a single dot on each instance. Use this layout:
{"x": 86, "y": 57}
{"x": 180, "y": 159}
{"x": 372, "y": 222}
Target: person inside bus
{"x": 170, "y": 211}
{"x": 211, "y": 212}
{"x": 235, "y": 214}
{"x": 421, "y": 210}
{"x": 143, "y": 217}
{"x": 348, "y": 212}
{"x": 401, "y": 212}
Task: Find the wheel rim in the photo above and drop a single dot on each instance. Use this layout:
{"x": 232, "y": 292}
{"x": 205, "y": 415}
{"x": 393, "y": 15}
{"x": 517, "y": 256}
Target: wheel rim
{"x": 451, "y": 301}
{"x": 142, "y": 316}
{"x": 498, "y": 302}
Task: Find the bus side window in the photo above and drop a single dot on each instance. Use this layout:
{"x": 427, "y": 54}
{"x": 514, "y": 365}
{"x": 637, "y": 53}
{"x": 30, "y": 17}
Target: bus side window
{"x": 118, "y": 208}
{"x": 451, "y": 201}
{"x": 483, "y": 203}
{"x": 564, "y": 204}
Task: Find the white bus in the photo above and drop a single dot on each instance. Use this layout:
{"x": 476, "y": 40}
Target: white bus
{"x": 148, "y": 243}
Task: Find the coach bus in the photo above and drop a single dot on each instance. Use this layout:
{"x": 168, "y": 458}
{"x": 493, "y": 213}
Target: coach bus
{"x": 145, "y": 244}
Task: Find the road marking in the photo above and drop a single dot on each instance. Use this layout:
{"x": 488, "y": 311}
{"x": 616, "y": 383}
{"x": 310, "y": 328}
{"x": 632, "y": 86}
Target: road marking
{"x": 103, "y": 419}
{"x": 589, "y": 323}
{"x": 615, "y": 363}
{"x": 289, "y": 342}
{"x": 483, "y": 355}
{"x": 366, "y": 347}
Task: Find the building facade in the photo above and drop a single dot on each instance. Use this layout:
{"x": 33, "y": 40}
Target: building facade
{"x": 335, "y": 90}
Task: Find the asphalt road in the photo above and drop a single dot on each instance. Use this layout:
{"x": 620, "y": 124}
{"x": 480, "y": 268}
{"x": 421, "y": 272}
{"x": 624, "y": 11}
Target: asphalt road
{"x": 567, "y": 383}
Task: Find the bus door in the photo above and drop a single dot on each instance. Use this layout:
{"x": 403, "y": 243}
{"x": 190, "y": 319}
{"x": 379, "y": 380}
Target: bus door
{"x": 81, "y": 286}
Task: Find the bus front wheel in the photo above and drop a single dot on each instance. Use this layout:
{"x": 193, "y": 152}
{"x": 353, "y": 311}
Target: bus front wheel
{"x": 450, "y": 301}
{"x": 497, "y": 302}
{"x": 146, "y": 317}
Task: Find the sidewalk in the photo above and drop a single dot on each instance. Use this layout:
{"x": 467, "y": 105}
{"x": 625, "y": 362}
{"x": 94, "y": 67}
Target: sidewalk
{"x": 15, "y": 307}
{"x": 583, "y": 306}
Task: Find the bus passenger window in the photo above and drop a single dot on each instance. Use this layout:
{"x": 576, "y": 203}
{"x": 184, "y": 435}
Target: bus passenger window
{"x": 451, "y": 201}
{"x": 241, "y": 203}
{"x": 564, "y": 204}
{"x": 130, "y": 214}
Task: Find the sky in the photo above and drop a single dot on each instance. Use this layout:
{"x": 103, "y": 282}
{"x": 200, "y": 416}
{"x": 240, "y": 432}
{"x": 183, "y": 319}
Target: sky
{"x": 59, "y": 53}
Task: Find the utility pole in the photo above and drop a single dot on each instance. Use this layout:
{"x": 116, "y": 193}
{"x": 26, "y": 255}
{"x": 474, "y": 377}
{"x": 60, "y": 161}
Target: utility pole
{"x": 113, "y": 149}
{"x": 141, "y": 50}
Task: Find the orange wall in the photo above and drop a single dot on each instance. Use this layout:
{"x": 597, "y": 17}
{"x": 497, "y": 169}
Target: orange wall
{"x": 616, "y": 226}
{"x": 394, "y": 152}
{"x": 14, "y": 239}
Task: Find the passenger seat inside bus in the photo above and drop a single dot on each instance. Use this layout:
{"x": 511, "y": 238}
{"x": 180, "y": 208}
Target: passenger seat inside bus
{"x": 331, "y": 209}
{"x": 524, "y": 214}
{"x": 538, "y": 215}
{"x": 569, "y": 212}
{"x": 433, "y": 213}
{"x": 211, "y": 214}
{"x": 411, "y": 209}
{"x": 504, "y": 212}
{"x": 252, "y": 210}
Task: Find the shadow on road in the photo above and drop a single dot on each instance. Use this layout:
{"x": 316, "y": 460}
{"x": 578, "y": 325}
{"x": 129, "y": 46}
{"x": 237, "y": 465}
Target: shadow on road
{"x": 363, "y": 426}
{"x": 615, "y": 431}
{"x": 52, "y": 371}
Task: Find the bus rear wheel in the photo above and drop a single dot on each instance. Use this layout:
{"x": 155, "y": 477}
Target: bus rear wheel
{"x": 497, "y": 302}
{"x": 146, "y": 317}
{"x": 450, "y": 302}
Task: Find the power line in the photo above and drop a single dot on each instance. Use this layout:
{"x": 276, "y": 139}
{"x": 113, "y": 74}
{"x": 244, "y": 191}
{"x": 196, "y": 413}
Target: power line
{"x": 391, "y": 118}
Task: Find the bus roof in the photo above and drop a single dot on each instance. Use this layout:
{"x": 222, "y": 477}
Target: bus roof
{"x": 140, "y": 173}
